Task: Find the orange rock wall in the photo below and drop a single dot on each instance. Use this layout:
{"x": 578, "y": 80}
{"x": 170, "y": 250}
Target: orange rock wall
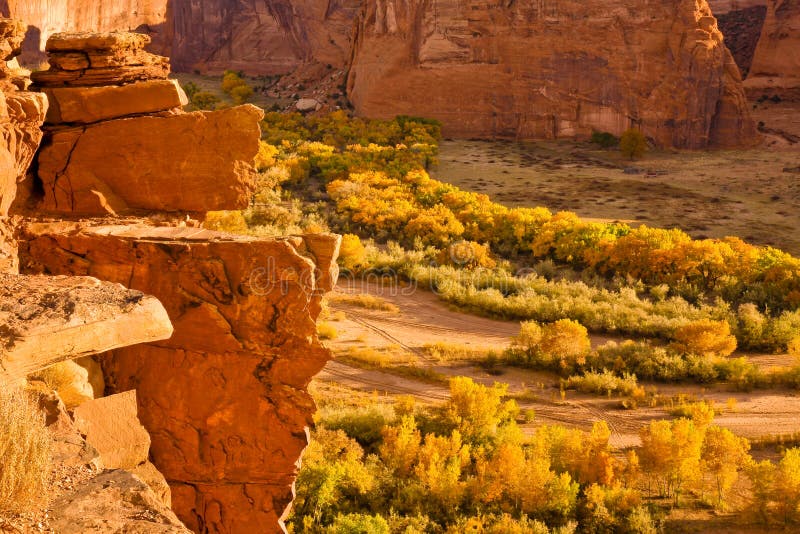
{"x": 776, "y": 64}
{"x": 224, "y": 399}
{"x": 260, "y": 37}
{"x": 21, "y": 115}
{"x": 552, "y": 69}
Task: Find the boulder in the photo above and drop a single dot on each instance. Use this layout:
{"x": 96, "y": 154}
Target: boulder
{"x": 111, "y": 425}
{"x": 114, "y": 501}
{"x": 197, "y": 161}
{"x": 95, "y": 104}
{"x": 307, "y": 104}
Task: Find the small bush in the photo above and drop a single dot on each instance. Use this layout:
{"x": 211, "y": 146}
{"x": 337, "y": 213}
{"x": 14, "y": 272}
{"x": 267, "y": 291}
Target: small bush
{"x": 606, "y": 383}
{"x": 226, "y": 221}
{"x": 69, "y": 380}
{"x": 205, "y": 101}
{"x": 25, "y": 453}
{"x": 352, "y": 252}
{"x": 705, "y": 338}
{"x": 326, "y": 330}
{"x": 605, "y": 139}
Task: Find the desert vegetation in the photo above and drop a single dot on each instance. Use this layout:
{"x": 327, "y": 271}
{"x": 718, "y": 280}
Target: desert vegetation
{"x": 690, "y": 307}
{"x": 465, "y": 465}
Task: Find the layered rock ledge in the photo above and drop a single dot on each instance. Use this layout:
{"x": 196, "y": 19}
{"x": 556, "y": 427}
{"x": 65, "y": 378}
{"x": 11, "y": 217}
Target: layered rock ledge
{"x": 47, "y": 319}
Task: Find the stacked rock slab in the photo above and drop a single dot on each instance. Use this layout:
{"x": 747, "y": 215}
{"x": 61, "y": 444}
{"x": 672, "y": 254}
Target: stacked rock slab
{"x": 106, "y": 91}
{"x": 224, "y": 399}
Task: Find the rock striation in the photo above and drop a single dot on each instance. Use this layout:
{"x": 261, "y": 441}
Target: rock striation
{"x": 486, "y": 69}
{"x": 224, "y": 399}
{"x": 776, "y": 63}
{"x": 104, "y": 89}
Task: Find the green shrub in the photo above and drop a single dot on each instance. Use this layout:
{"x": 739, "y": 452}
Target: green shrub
{"x": 605, "y": 139}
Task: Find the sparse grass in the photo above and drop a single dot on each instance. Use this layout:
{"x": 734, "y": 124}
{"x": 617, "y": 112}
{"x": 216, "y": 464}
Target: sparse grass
{"x": 366, "y": 301}
{"x": 391, "y": 361}
{"x": 448, "y": 352}
{"x": 374, "y": 358}
{"x": 25, "y": 453}
{"x": 326, "y": 330}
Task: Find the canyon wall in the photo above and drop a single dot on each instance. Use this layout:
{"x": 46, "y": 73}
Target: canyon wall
{"x": 776, "y": 63}
{"x": 552, "y": 69}
{"x": 259, "y": 37}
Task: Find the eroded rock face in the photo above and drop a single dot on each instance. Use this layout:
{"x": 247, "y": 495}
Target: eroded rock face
{"x": 260, "y": 37}
{"x": 776, "y": 64}
{"x": 507, "y": 69}
{"x": 225, "y": 398}
{"x": 21, "y": 115}
{"x": 181, "y": 172}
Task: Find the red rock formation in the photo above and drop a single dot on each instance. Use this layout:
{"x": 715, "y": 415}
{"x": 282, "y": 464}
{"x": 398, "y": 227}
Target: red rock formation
{"x": 260, "y": 37}
{"x": 776, "y": 64}
{"x": 547, "y": 70}
{"x": 108, "y": 91}
{"x": 224, "y": 399}
{"x": 21, "y": 115}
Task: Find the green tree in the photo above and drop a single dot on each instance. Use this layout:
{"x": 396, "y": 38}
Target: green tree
{"x": 633, "y": 144}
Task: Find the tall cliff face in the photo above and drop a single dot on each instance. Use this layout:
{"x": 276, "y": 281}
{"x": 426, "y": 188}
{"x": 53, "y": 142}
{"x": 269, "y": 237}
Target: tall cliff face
{"x": 776, "y": 64}
{"x": 260, "y": 36}
{"x": 552, "y": 69}
{"x": 46, "y": 17}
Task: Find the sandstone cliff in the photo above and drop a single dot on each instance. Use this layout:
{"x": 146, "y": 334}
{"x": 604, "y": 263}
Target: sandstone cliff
{"x": 776, "y": 64}
{"x": 260, "y": 37}
{"x": 552, "y": 69}
{"x": 224, "y": 398}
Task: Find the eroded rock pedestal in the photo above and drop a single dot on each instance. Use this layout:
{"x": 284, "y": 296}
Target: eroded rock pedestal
{"x": 552, "y": 69}
{"x": 224, "y": 399}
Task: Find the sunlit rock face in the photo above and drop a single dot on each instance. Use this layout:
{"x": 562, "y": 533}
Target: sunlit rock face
{"x": 776, "y": 64}
{"x": 552, "y": 69}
